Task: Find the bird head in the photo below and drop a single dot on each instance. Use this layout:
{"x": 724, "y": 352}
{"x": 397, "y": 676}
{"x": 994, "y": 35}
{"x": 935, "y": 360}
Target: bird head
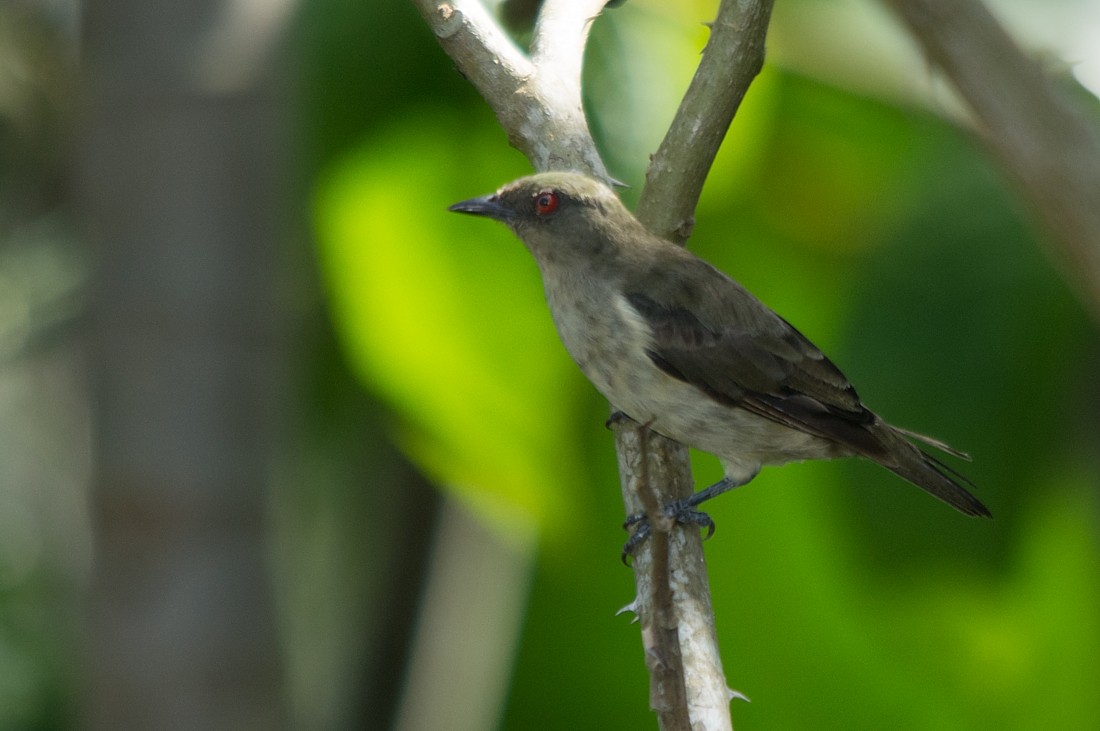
{"x": 555, "y": 213}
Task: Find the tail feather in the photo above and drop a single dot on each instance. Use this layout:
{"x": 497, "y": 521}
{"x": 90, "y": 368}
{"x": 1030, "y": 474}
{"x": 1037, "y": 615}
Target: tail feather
{"x": 942, "y": 446}
{"x": 930, "y": 474}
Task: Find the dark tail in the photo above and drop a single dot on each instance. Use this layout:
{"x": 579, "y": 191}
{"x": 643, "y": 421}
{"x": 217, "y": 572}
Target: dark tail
{"x": 928, "y": 473}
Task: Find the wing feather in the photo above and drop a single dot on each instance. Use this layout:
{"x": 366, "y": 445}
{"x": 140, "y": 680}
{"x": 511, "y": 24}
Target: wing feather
{"x": 712, "y": 333}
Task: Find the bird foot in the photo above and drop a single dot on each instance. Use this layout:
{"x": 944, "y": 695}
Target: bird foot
{"x": 683, "y": 512}
{"x": 617, "y": 418}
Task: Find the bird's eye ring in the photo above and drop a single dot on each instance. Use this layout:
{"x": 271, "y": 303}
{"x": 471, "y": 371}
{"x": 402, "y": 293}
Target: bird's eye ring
{"x": 546, "y": 203}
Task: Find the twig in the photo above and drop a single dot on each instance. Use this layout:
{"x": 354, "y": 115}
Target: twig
{"x": 733, "y": 56}
{"x": 1041, "y": 139}
{"x": 538, "y": 103}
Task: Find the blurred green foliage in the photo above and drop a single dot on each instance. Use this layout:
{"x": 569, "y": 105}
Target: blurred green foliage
{"x": 844, "y": 598}
{"x": 447, "y": 322}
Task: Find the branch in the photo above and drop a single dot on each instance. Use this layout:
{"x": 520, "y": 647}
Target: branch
{"x": 538, "y": 103}
{"x": 480, "y": 49}
{"x": 732, "y": 58}
{"x": 560, "y": 36}
{"x": 687, "y": 687}
{"x": 1040, "y": 139}
{"x": 680, "y": 599}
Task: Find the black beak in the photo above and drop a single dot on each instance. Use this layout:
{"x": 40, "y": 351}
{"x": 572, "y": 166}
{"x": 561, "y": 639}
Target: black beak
{"x": 486, "y": 205}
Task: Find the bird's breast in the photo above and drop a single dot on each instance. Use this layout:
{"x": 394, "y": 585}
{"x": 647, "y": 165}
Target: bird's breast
{"x": 608, "y": 340}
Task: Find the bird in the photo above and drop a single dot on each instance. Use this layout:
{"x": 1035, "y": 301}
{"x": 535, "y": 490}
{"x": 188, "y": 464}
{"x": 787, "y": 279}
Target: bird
{"x": 679, "y": 346}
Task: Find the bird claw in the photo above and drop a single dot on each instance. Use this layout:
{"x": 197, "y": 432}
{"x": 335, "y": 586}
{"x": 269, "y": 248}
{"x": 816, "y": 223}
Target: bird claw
{"x": 683, "y": 512}
{"x": 637, "y": 537}
{"x": 617, "y": 418}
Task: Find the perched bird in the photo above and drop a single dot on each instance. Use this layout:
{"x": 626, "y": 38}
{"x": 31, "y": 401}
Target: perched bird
{"x": 679, "y": 346}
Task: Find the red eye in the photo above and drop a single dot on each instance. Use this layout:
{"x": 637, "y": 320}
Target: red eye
{"x": 546, "y": 203}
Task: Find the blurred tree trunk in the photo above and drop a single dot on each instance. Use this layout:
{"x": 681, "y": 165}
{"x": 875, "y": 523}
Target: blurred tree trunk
{"x": 179, "y": 180}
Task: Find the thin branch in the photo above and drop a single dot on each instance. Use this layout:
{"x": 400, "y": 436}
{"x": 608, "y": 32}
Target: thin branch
{"x": 655, "y": 471}
{"x": 1040, "y": 138}
{"x": 538, "y": 107}
{"x": 731, "y": 60}
{"x": 479, "y": 47}
{"x": 560, "y": 37}
{"x": 733, "y": 56}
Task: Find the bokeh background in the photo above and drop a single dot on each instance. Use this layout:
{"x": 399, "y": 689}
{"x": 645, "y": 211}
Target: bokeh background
{"x": 284, "y": 444}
